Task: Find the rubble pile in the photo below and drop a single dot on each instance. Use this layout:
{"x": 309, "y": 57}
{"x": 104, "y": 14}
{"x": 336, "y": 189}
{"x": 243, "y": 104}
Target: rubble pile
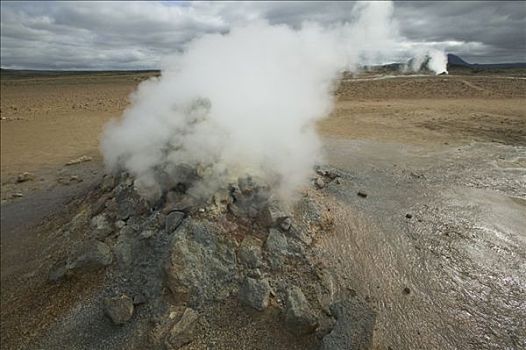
{"x": 172, "y": 260}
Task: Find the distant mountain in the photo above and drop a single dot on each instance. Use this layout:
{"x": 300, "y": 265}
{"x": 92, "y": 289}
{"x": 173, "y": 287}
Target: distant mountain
{"x": 454, "y": 60}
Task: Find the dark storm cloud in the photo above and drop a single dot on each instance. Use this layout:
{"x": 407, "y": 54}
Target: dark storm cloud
{"x": 118, "y": 35}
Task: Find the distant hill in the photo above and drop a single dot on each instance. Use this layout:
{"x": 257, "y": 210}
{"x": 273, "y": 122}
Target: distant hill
{"x": 30, "y": 73}
{"x": 454, "y": 60}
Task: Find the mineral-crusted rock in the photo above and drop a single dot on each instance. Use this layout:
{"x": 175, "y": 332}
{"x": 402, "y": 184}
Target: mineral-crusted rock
{"x": 183, "y": 331}
{"x": 202, "y": 265}
{"x": 354, "y": 326}
{"x": 90, "y": 256}
{"x": 101, "y": 226}
{"x": 255, "y": 293}
{"x": 119, "y": 309}
{"x": 298, "y": 314}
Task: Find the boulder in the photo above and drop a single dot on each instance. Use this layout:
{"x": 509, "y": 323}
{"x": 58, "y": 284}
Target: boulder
{"x": 255, "y": 293}
{"x": 299, "y": 316}
{"x": 183, "y": 331}
{"x": 119, "y": 309}
{"x": 202, "y": 264}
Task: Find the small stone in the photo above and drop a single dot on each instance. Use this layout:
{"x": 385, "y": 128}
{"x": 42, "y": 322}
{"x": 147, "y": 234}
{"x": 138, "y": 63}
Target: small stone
{"x": 408, "y": 216}
{"x": 173, "y": 220}
{"x": 407, "y": 290}
{"x": 146, "y": 234}
{"x": 182, "y": 332}
{"x": 120, "y": 224}
{"x": 119, "y": 309}
{"x": 81, "y": 159}
{"x": 255, "y": 293}
{"x": 17, "y": 195}
{"x": 319, "y": 182}
{"x": 362, "y": 194}
{"x": 298, "y": 314}
{"x": 25, "y": 177}
{"x": 285, "y": 224}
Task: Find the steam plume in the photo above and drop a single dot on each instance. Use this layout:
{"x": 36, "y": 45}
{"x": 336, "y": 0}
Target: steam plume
{"x": 244, "y": 102}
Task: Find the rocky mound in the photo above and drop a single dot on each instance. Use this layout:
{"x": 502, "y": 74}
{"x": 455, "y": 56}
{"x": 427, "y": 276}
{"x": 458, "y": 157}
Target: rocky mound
{"x": 193, "y": 272}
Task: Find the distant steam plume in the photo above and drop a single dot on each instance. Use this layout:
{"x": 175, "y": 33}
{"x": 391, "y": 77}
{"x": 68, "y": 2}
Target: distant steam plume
{"x": 245, "y": 102}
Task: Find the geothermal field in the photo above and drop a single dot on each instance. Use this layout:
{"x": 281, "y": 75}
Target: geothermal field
{"x": 288, "y": 175}
{"x": 409, "y": 233}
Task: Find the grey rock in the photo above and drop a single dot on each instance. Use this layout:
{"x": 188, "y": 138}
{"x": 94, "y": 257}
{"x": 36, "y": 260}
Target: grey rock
{"x": 319, "y": 182}
{"x": 108, "y": 183}
{"x": 276, "y": 242}
{"x": 202, "y": 265}
{"x": 222, "y": 198}
{"x": 90, "y": 256}
{"x": 119, "y": 309}
{"x": 183, "y": 332}
{"x": 285, "y": 223}
{"x": 354, "y": 326}
{"x": 25, "y": 177}
{"x": 123, "y": 251}
{"x": 129, "y": 202}
{"x": 328, "y": 172}
{"x": 173, "y": 220}
{"x": 246, "y": 185}
{"x": 250, "y": 252}
{"x": 120, "y": 224}
{"x": 176, "y": 201}
{"x": 299, "y": 316}
{"x": 100, "y": 204}
{"x": 146, "y": 234}
{"x": 101, "y": 226}
{"x": 277, "y": 246}
{"x": 255, "y": 293}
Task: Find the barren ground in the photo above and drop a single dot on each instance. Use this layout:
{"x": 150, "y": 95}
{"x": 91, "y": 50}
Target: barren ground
{"x": 448, "y": 150}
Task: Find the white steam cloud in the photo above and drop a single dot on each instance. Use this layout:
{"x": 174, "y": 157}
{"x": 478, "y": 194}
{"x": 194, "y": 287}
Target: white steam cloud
{"x": 245, "y": 102}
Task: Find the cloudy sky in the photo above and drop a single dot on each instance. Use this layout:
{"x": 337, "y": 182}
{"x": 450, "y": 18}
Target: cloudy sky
{"x": 136, "y": 35}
